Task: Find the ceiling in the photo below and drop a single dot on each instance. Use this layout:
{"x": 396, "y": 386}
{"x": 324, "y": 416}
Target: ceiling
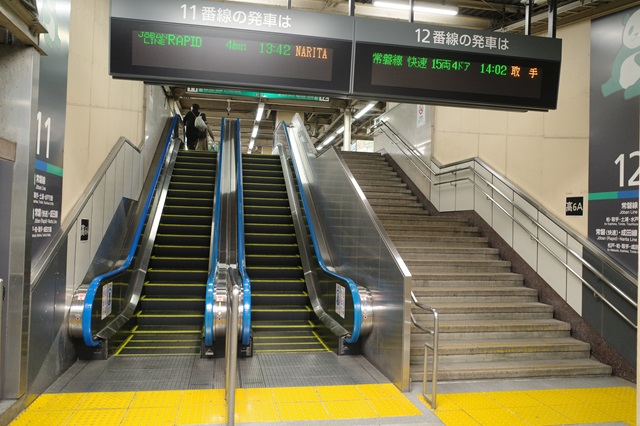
{"x": 19, "y": 18}
{"x": 327, "y": 115}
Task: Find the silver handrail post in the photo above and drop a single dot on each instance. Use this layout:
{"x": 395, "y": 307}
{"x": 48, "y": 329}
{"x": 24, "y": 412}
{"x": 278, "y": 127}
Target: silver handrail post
{"x": 434, "y": 377}
{"x": 232, "y": 352}
{"x": 435, "y": 332}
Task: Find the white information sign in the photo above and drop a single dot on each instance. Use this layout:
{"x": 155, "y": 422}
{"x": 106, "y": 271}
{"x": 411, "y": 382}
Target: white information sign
{"x": 107, "y": 298}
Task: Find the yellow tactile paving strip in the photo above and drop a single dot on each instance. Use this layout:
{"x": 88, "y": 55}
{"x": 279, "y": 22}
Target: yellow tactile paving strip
{"x": 538, "y": 407}
{"x": 196, "y": 407}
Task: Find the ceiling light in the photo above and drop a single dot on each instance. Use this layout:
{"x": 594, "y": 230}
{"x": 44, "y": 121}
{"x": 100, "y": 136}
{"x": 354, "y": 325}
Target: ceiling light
{"x": 252, "y": 142}
{"x": 254, "y": 133}
{"x": 340, "y": 130}
{"x": 259, "y": 112}
{"x": 364, "y": 110}
{"x": 440, "y": 9}
{"x": 328, "y": 141}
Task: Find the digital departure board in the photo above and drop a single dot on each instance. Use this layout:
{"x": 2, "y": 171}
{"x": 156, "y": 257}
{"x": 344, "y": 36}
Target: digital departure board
{"x": 451, "y": 66}
{"x": 225, "y": 45}
{"x": 243, "y": 46}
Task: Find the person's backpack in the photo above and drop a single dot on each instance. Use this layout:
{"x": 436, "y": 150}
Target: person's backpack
{"x": 200, "y": 123}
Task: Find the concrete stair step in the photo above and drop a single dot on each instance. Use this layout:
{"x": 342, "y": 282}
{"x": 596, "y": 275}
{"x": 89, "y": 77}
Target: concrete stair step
{"x": 390, "y": 219}
{"x": 416, "y": 234}
{"x": 494, "y": 329}
{"x": 398, "y": 201}
{"x": 426, "y": 264}
{"x": 426, "y": 277}
{"x": 517, "y": 369}
{"x": 371, "y": 191}
{"x": 373, "y": 179}
{"x": 391, "y": 195}
{"x": 498, "y": 347}
{"x": 400, "y": 210}
{"x": 432, "y": 295}
{"x": 440, "y": 240}
{"x": 481, "y": 311}
{"x": 446, "y": 253}
{"x": 430, "y": 224}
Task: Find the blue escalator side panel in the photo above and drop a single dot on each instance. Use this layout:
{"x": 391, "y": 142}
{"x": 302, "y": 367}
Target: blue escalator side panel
{"x": 87, "y": 335}
{"x": 210, "y": 291}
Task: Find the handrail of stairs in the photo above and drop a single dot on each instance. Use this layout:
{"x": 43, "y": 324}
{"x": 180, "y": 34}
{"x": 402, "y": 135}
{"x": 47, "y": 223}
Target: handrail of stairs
{"x": 245, "y": 334}
{"x": 412, "y": 155}
{"x": 361, "y": 297}
{"x": 81, "y": 316}
{"x": 433, "y": 346}
{"x": 231, "y": 367}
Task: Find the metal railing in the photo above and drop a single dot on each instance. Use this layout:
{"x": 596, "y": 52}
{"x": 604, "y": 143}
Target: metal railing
{"x": 231, "y": 370}
{"x": 411, "y": 153}
{"x": 433, "y": 346}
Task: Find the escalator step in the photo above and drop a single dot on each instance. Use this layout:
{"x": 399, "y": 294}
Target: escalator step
{"x": 186, "y": 251}
{"x": 154, "y": 303}
{"x": 264, "y": 186}
{"x": 202, "y": 220}
{"x": 266, "y": 202}
{"x": 262, "y": 272}
{"x": 167, "y": 289}
{"x": 267, "y": 210}
{"x": 279, "y": 299}
{"x": 188, "y": 210}
{"x": 190, "y": 193}
{"x": 179, "y": 263}
{"x": 191, "y": 172}
{"x": 281, "y": 313}
{"x": 277, "y": 285}
{"x": 173, "y": 351}
{"x": 168, "y": 330}
{"x": 263, "y": 180}
{"x": 188, "y": 180}
{"x": 270, "y": 219}
{"x": 167, "y": 275}
{"x": 283, "y": 327}
{"x": 183, "y": 240}
{"x": 269, "y": 228}
{"x": 269, "y": 249}
{"x": 186, "y": 202}
{"x": 275, "y": 239}
{"x": 184, "y": 229}
{"x": 165, "y": 318}
{"x": 257, "y": 260}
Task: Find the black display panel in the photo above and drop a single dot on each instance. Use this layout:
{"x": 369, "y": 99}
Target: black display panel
{"x": 169, "y": 52}
{"x": 408, "y": 73}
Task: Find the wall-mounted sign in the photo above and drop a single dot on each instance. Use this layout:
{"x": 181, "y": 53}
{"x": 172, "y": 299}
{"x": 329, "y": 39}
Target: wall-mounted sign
{"x": 84, "y": 230}
{"x": 574, "y": 206}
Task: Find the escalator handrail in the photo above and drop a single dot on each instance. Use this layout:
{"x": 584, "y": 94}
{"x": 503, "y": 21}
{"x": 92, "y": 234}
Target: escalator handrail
{"x": 353, "y": 288}
{"x": 90, "y": 295}
{"x": 245, "y": 334}
{"x": 209, "y": 335}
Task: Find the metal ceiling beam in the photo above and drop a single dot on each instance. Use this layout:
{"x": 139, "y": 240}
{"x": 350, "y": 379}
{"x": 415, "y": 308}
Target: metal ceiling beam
{"x": 21, "y": 23}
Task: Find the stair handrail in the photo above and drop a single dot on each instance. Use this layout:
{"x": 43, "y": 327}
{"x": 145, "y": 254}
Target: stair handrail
{"x": 245, "y": 334}
{"x": 597, "y": 251}
{"x": 362, "y": 300}
{"x": 209, "y": 303}
{"x": 231, "y": 341}
{"x": 84, "y": 296}
{"x": 433, "y": 346}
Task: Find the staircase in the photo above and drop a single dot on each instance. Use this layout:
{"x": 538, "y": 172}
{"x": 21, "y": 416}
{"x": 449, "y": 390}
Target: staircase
{"x": 281, "y": 317}
{"x": 170, "y": 314}
{"x": 491, "y": 325}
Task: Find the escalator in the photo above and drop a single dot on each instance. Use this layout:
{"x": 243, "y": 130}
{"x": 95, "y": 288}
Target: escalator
{"x": 169, "y": 317}
{"x": 281, "y": 316}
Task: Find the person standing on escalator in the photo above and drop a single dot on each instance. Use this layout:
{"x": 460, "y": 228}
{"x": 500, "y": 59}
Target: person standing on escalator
{"x": 194, "y": 135}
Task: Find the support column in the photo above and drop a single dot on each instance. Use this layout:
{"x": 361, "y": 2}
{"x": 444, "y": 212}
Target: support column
{"x": 528, "y": 11}
{"x": 553, "y": 18}
{"x": 346, "y": 141}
